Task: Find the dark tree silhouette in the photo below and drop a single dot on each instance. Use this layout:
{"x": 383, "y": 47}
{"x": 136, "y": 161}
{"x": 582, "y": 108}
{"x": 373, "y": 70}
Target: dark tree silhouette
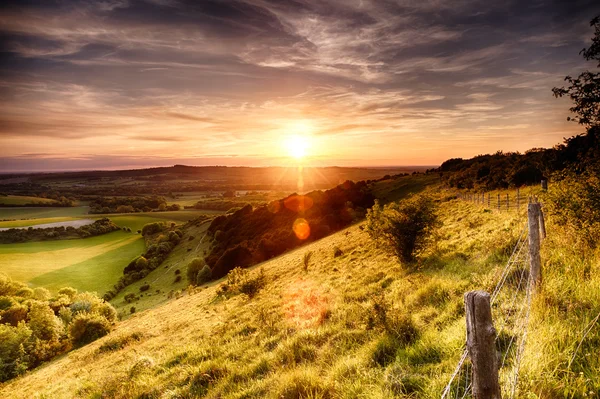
{"x": 584, "y": 90}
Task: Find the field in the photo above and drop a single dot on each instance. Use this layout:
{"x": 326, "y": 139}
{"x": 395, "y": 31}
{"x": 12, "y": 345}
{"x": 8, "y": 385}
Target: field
{"x": 38, "y": 213}
{"x": 23, "y": 200}
{"x": 91, "y": 264}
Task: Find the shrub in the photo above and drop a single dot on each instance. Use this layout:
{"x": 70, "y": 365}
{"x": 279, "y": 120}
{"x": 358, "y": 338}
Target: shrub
{"x": 141, "y": 263}
{"x": 193, "y": 268}
{"x": 239, "y": 281}
{"x": 68, "y": 291}
{"x": 88, "y": 327}
{"x": 405, "y": 226}
{"x": 120, "y": 342}
{"x": 204, "y": 275}
{"x": 41, "y": 294}
{"x": 337, "y": 252}
{"x": 145, "y": 287}
{"x": 306, "y": 260}
{"x": 177, "y": 278}
{"x": 574, "y": 202}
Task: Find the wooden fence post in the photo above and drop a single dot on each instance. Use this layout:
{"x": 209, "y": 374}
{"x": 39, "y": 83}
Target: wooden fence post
{"x": 535, "y": 262}
{"x": 542, "y": 224}
{"x": 481, "y": 345}
{"x": 498, "y": 201}
{"x": 507, "y": 202}
{"x": 489, "y": 206}
{"x": 518, "y": 200}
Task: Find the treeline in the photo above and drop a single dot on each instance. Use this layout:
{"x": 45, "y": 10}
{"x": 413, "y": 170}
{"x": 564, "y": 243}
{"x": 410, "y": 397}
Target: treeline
{"x": 217, "y": 205}
{"x": 131, "y": 205}
{"x": 101, "y": 226}
{"x": 161, "y": 239}
{"x": 503, "y": 170}
{"x": 36, "y": 326}
{"x": 250, "y": 236}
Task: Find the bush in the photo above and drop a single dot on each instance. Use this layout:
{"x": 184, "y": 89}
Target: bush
{"x": 193, "y": 268}
{"x": 204, "y": 275}
{"x": 88, "y": 327}
{"x": 239, "y": 281}
{"x": 145, "y": 287}
{"x": 574, "y": 202}
{"x": 68, "y": 291}
{"x": 306, "y": 260}
{"x": 405, "y": 226}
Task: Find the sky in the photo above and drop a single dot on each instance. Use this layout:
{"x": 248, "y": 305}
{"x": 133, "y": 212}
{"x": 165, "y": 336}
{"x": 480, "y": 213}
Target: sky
{"x": 134, "y": 83}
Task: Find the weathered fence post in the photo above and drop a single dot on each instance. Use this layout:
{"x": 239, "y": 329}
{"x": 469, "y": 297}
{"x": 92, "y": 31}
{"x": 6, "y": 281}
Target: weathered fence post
{"x": 507, "y": 208}
{"x": 544, "y": 185}
{"x": 542, "y": 224}
{"x": 481, "y": 344}
{"x": 498, "y": 201}
{"x": 518, "y": 200}
{"x": 535, "y": 262}
{"x": 489, "y": 201}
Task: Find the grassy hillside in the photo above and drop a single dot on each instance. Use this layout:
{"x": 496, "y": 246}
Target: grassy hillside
{"x": 162, "y": 280}
{"x": 319, "y": 333}
{"x": 23, "y": 200}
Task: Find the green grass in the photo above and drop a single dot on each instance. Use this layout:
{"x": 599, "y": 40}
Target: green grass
{"x": 23, "y": 200}
{"x": 163, "y": 278}
{"x": 398, "y": 188}
{"x": 38, "y": 213}
{"x": 321, "y": 333}
{"x": 90, "y": 264}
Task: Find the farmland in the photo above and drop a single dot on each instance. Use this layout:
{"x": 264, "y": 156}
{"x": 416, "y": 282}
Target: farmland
{"x": 90, "y": 264}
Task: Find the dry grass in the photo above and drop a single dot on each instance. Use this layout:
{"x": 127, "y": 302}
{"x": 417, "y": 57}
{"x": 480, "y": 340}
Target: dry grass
{"x": 313, "y": 334}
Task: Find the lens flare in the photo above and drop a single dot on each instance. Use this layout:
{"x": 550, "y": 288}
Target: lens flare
{"x": 301, "y": 229}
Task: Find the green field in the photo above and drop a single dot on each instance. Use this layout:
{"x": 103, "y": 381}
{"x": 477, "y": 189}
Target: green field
{"x": 90, "y": 264}
{"x": 41, "y": 212}
{"x": 23, "y": 200}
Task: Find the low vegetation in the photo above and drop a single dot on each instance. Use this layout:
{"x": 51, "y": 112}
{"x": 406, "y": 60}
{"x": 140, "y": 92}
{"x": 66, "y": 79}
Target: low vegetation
{"x": 161, "y": 238}
{"x": 36, "y": 326}
{"x": 98, "y": 227}
{"x": 131, "y": 204}
{"x": 404, "y": 227}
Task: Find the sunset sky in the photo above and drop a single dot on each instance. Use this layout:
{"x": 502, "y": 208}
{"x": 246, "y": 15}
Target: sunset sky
{"x": 118, "y": 84}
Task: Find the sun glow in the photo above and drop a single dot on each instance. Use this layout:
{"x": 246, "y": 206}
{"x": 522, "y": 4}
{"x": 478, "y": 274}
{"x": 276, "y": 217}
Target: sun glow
{"x": 298, "y": 141}
{"x": 297, "y": 146}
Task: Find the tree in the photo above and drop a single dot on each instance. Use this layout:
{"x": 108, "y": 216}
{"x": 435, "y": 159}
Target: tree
{"x": 584, "y": 90}
{"x": 404, "y": 227}
{"x": 193, "y": 268}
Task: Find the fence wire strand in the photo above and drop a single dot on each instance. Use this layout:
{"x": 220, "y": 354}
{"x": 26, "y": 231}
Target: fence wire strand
{"x": 511, "y": 302}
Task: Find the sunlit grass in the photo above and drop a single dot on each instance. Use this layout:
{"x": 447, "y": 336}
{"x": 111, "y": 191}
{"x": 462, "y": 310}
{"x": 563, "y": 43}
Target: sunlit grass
{"x": 318, "y": 332}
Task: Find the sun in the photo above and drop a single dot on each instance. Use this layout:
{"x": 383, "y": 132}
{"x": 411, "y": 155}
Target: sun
{"x": 298, "y": 140}
{"x": 297, "y": 146}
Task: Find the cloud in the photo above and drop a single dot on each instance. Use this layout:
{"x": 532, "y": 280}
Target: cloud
{"x": 218, "y": 78}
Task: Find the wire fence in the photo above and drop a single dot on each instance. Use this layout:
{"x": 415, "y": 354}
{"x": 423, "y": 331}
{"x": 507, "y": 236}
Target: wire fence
{"x": 497, "y": 201}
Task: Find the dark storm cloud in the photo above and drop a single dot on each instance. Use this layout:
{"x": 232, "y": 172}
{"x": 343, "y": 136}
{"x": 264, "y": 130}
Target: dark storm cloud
{"x": 133, "y": 69}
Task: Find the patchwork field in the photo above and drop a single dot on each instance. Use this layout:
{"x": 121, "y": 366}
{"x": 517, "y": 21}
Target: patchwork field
{"x": 40, "y": 213}
{"x": 90, "y": 264}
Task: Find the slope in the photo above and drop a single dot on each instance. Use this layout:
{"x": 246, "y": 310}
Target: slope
{"x": 319, "y": 333}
